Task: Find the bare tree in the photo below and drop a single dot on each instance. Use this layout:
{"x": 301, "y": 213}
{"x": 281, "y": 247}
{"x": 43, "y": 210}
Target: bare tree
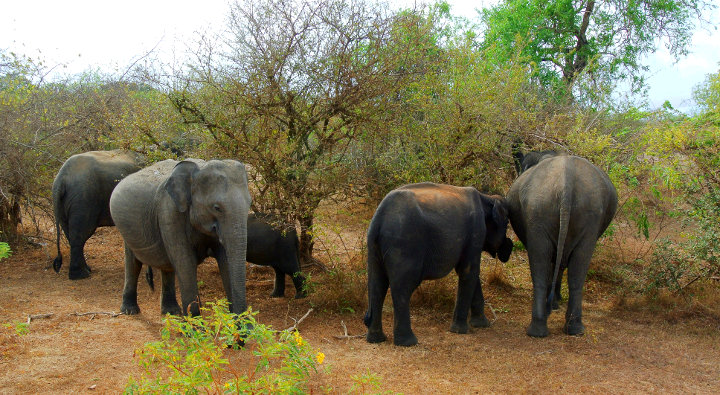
{"x": 288, "y": 89}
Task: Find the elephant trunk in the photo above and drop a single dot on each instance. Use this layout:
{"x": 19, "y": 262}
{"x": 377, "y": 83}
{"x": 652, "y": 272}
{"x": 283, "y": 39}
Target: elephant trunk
{"x": 236, "y": 246}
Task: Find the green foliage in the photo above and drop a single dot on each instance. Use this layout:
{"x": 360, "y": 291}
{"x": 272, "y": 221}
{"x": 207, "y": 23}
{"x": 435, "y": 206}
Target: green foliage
{"x": 564, "y": 38}
{"x": 365, "y": 383}
{"x": 202, "y": 354}
{"x": 5, "y": 251}
{"x": 707, "y": 96}
{"x": 20, "y": 328}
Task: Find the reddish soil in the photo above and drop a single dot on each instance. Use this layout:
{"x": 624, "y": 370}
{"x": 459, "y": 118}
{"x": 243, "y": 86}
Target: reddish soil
{"x": 625, "y": 350}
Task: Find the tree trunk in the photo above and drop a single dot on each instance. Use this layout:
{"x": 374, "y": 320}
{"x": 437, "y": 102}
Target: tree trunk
{"x": 306, "y": 240}
{"x": 9, "y": 219}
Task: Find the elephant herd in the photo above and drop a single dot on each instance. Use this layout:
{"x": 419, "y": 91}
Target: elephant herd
{"x": 173, "y": 214}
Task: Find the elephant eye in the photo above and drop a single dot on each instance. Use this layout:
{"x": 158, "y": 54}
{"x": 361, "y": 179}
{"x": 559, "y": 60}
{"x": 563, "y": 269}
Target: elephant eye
{"x": 217, "y": 208}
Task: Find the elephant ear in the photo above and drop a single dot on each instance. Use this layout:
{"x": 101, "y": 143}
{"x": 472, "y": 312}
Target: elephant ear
{"x": 499, "y": 211}
{"x": 178, "y": 185}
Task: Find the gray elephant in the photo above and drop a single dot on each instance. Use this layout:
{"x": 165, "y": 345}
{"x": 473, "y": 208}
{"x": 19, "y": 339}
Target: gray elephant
{"x": 270, "y": 246}
{"x": 559, "y": 207}
{"x": 421, "y": 232}
{"x": 81, "y": 195}
{"x": 172, "y": 215}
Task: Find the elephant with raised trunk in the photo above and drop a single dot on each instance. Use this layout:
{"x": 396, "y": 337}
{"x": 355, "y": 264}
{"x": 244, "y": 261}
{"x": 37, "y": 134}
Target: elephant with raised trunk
{"x": 421, "y": 232}
{"x": 559, "y": 207}
{"x": 81, "y": 200}
{"x": 172, "y": 215}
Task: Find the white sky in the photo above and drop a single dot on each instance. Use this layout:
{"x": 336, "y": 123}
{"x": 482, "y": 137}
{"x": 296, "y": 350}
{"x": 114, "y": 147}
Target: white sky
{"x": 83, "y": 34}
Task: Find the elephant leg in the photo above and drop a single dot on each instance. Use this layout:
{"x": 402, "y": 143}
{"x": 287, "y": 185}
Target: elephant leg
{"x": 299, "y": 281}
{"x": 132, "y": 272}
{"x": 477, "y": 308}
{"x": 577, "y": 271}
{"x": 402, "y": 331}
{"x": 279, "y": 289}
{"x": 467, "y": 281}
{"x": 169, "y": 304}
{"x": 79, "y": 232}
{"x": 378, "y": 284}
{"x": 187, "y": 275}
{"x": 539, "y": 254}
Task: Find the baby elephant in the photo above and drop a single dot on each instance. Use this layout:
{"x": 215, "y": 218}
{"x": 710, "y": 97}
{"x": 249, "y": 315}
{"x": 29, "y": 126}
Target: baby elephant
{"x": 421, "y": 232}
{"x": 270, "y": 246}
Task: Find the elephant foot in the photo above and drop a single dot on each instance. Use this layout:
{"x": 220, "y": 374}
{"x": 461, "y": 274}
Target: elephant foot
{"x": 300, "y": 295}
{"x": 459, "y": 327}
{"x": 171, "y": 309}
{"x": 277, "y": 294}
{"x": 375, "y": 337}
{"x": 574, "y": 328}
{"x": 479, "y": 322}
{"x": 79, "y": 274}
{"x": 405, "y": 341}
{"x": 129, "y": 309}
{"x": 538, "y": 328}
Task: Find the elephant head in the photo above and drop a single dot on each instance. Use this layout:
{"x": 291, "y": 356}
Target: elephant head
{"x": 497, "y": 243}
{"x": 216, "y": 200}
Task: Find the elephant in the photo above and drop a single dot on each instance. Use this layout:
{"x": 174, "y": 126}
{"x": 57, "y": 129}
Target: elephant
{"x": 81, "y": 195}
{"x": 268, "y": 246}
{"x": 421, "y": 232}
{"x": 559, "y": 208}
{"x": 172, "y": 215}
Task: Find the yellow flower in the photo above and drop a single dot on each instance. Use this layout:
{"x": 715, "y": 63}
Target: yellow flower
{"x": 298, "y": 338}
{"x": 320, "y": 357}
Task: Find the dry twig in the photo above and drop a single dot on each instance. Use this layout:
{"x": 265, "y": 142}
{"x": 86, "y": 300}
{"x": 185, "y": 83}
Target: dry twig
{"x": 94, "y": 313}
{"x": 37, "y": 316}
{"x": 492, "y": 311}
{"x": 346, "y": 336}
{"x": 297, "y": 322}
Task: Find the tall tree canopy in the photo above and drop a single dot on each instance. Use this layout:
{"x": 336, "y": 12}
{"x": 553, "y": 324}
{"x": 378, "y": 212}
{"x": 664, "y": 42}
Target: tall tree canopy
{"x": 604, "y": 38}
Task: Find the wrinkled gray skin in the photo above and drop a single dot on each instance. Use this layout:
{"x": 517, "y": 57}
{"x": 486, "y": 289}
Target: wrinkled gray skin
{"x": 278, "y": 248}
{"x": 81, "y": 195}
{"x": 559, "y": 208}
{"x": 421, "y": 232}
{"x": 269, "y": 246}
{"x": 172, "y": 216}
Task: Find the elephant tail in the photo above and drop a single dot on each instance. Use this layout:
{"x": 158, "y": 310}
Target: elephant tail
{"x": 149, "y": 278}
{"x": 565, "y": 205}
{"x": 58, "y": 192}
{"x": 377, "y": 277}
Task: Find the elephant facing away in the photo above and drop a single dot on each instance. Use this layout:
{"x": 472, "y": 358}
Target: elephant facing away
{"x": 559, "y": 208}
{"x": 172, "y": 215}
{"x": 81, "y": 200}
{"x": 423, "y": 231}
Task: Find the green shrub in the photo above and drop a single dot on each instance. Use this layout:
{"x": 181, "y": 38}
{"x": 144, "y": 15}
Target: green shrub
{"x": 4, "y": 250}
{"x": 202, "y": 354}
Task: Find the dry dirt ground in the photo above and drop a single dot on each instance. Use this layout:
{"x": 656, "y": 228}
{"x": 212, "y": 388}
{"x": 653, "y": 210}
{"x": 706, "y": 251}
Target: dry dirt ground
{"x": 625, "y": 350}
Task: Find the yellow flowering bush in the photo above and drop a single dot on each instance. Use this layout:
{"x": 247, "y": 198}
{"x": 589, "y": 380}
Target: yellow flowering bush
{"x": 194, "y": 355}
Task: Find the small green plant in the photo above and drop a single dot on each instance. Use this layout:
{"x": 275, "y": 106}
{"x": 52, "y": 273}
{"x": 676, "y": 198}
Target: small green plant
{"x": 5, "y": 251}
{"x": 365, "y": 382}
{"x": 20, "y": 328}
{"x": 202, "y": 354}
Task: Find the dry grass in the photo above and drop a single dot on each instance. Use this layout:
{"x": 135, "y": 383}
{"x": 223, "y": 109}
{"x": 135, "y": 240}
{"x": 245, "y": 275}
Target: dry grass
{"x": 633, "y": 344}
